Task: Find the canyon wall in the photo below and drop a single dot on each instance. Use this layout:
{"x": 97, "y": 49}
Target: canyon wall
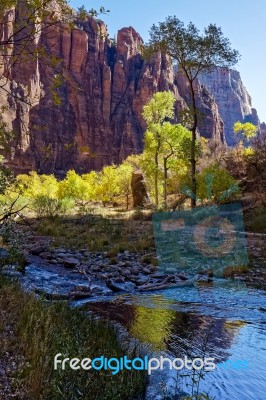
{"x": 233, "y": 101}
{"x": 103, "y": 88}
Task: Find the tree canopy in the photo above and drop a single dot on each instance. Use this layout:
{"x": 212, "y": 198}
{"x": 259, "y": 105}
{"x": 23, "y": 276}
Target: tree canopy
{"x": 193, "y": 52}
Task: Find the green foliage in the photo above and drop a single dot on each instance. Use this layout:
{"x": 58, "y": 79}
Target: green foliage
{"x": 6, "y": 176}
{"x": 160, "y": 107}
{"x": 247, "y": 130}
{"x": 193, "y": 51}
{"x": 83, "y": 13}
{"x": 14, "y": 238}
{"x": 166, "y": 145}
{"x": 73, "y": 186}
{"x": 215, "y": 182}
{"x": 124, "y": 174}
{"x": 32, "y": 185}
{"x": 91, "y": 180}
{"x": 108, "y": 185}
{"x": 46, "y": 206}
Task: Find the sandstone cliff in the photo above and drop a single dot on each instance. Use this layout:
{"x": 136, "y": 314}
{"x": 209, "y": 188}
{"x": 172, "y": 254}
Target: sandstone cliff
{"x": 103, "y": 87}
{"x": 231, "y": 96}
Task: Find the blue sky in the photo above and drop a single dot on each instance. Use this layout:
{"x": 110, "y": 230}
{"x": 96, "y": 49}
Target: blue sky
{"x": 242, "y": 21}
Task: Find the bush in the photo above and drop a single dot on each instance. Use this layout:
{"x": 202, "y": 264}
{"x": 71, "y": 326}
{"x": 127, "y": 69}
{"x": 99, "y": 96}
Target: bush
{"x": 215, "y": 182}
{"x": 45, "y": 206}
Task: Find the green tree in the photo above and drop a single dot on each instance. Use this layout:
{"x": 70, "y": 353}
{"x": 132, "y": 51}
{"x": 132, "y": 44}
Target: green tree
{"x": 216, "y": 183}
{"x": 108, "y": 186}
{"x": 164, "y": 142}
{"x": 32, "y": 185}
{"x": 174, "y": 146}
{"x": 73, "y": 186}
{"x": 247, "y": 130}
{"x": 92, "y": 180}
{"x": 159, "y": 108}
{"x": 124, "y": 174}
{"x": 194, "y": 53}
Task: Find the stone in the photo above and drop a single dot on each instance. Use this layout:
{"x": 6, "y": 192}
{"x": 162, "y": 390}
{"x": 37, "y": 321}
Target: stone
{"x": 142, "y": 281}
{"x": 119, "y": 287}
{"x": 135, "y": 270}
{"x": 146, "y": 271}
{"x": 3, "y": 253}
{"x": 46, "y": 255}
{"x": 139, "y": 190}
{"x": 35, "y": 251}
{"x": 182, "y": 277}
{"x": 125, "y": 272}
{"x": 71, "y": 262}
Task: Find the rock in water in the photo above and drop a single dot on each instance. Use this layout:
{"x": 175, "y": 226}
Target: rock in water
{"x": 139, "y": 190}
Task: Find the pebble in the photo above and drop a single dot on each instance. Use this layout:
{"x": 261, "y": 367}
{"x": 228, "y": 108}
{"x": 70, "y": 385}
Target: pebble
{"x": 71, "y": 262}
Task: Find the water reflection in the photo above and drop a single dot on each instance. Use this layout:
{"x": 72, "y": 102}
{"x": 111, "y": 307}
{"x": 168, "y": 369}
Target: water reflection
{"x": 226, "y": 321}
{"x": 167, "y": 329}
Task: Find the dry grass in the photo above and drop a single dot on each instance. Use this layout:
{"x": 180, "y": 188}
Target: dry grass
{"x": 110, "y": 231}
{"x": 42, "y": 330}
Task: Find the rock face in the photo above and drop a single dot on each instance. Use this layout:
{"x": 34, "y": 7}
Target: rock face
{"x": 233, "y": 101}
{"x": 211, "y": 125}
{"x": 263, "y": 128}
{"x": 139, "y": 190}
{"x": 102, "y": 92}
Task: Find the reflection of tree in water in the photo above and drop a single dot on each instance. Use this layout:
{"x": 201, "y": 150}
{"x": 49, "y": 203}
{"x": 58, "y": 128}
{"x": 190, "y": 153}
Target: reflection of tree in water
{"x": 149, "y": 325}
{"x": 180, "y": 333}
{"x": 153, "y": 325}
{"x": 197, "y": 335}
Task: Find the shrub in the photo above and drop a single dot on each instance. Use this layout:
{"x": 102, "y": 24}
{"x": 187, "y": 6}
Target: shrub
{"x": 215, "y": 182}
{"x": 45, "y": 206}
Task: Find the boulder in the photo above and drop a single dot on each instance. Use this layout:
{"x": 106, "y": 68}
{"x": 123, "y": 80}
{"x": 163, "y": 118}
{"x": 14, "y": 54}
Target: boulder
{"x": 71, "y": 262}
{"x": 139, "y": 190}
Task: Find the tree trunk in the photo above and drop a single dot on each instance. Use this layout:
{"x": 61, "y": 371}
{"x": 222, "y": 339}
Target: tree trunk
{"x": 193, "y": 146}
{"x": 165, "y": 182}
{"x": 156, "y": 180}
{"x": 127, "y": 197}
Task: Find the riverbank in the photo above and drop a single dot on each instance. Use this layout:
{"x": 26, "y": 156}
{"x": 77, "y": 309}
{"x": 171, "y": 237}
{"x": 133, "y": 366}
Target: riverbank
{"x": 87, "y": 258}
{"x": 32, "y": 332}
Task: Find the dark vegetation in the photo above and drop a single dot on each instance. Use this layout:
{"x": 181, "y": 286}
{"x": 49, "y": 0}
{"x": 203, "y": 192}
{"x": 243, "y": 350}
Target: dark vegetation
{"x": 33, "y": 332}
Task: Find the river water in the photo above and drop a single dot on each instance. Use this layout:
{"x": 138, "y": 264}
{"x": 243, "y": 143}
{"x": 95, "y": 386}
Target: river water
{"x": 223, "y": 319}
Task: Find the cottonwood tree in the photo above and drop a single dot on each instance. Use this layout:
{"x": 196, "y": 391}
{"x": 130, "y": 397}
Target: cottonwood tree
{"x": 159, "y": 108}
{"x": 247, "y": 130}
{"x": 124, "y": 173}
{"x": 164, "y": 142}
{"x": 108, "y": 184}
{"x": 194, "y": 52}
